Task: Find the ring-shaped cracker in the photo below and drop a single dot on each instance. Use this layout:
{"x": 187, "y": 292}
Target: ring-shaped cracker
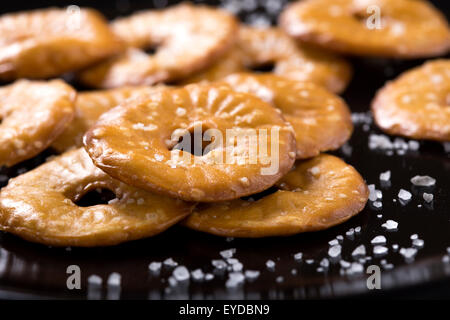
{"x": 39, "y": 206}
{"x": 258, "y": 47}
{"x": 417, "y": 103}
{"x": 384, "y": 28}
{"x": 188, "y": 38}
{"x": 321, "y": 120}
{"x": 33, "y": 114}
{"x": 317, "y": 194}
{"x": 134, "y": 143}
{"x": 89, "y": 106}
{"x": 49, "y": 42}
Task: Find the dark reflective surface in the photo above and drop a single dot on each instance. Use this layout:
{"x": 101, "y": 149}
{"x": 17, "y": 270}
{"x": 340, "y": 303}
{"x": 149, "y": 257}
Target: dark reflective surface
{"x": 36, "y": 271}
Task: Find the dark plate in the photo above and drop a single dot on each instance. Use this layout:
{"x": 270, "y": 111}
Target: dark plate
{"x": 34, "y": 271}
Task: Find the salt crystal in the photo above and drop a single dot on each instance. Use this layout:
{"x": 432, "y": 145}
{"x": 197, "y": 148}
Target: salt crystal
{"x": 340, "y": 238}
{"x": 209, "y": 276}
{"x": 395, "y": 247}
{"x": 378, "y": 240}
{"x": 181, "y": 273}
{"x": 228, "y": 253}
{"x": 172, "y": 281}
{"x": 355, "y": 268}
{"x": 235, "y": 279}
{"x": 169, "y": 262}
{"x": 237, "y": 267}
{"x": 309, "y": 261}
{"x": 390, "y": 225}
{"x": 197, "y": 275}
{"x": 345, "y": 264}
{"x": 270, "y": 264}
{"x": 325, "y": 263}
{"x": 114, "y": 280}
{"x": 232, "y": 261}
{"x": 372, "y": 192}
{"x": 413, "y": 145}
{"x": 418, "y": 243}
{"x": 385, "y": 176}
{"x": 252, "y": 274}
{"x": 95, "y": 280}
{"x": 428, "y": 197}
{"x": 423, "y": 181}
{"x": 408, "y": 253}
{"x": 377, "y": 204}
{"x": 350, "y": 233}
{"x": 404, "y": 195}
{"x": 414, "y": 236}
{"x": 298, "y": 256}
{"x": 359, "y": 251}
{"x": 380, "y": 251}
{"x": 446, "y": 259}
{"x": 219, "y": 264}
{"x": 333, "y": 242}
{"x": 154, "y": 266}
{"x": 358, "y": 230}
{"x": 335, "y": 251}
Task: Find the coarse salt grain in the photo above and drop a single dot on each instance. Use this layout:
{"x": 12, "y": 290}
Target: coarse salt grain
{"x": 423, "y": 181}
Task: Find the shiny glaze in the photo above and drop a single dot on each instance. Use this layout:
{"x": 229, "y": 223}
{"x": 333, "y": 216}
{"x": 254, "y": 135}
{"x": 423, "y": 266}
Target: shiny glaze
{"x": 409, "y": 28}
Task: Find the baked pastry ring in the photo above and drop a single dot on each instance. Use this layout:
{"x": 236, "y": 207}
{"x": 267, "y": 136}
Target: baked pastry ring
{"x": 39, "y": 206}
{"x": 259, "y": 47}
{"x": 136, "y": 143}
{"x": 417, "y": 103}
{"x": 321, "y": 120}
{"x": 49, "y": 42}
{"x": 317, "y": 194}
{"x": 89, "y": 106}
{"x": 188, "y": 38}
{"x": 33, "y": 114}
{"x": 384, "y": 28}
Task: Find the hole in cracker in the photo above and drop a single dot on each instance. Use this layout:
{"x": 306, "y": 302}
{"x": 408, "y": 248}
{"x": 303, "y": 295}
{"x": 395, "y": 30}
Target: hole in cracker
{"x": 192, "y": 142}
{"x": 257, "y": 196}
{"x": 150, "y": 50}
{"x": 361, "y": 16}
{"x": 263, "y": 68}
{"x": 95, "y": 197}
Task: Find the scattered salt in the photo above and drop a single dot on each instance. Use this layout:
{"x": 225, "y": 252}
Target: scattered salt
{"x": 404, "y": 195}
{"x": 154, "y": 266}
{"x": 270, "y": 264}
{"x": 228, "y": 253}
{"x": 335, "y": 251}
{"x": 114, "y": 280}
{"x": 390, "y": 225}
{"x": 428, "y": 197}
{"x": 423, "y": 181}
{"x": 380, "y": 251}
{"x": 219, "y": 264}
{"x": 181, "y": 273}
{"x": 378, "y": 240}
{"x": 197, "y": 275}
{"x": 252, "y": 274}
{"x": 359, "y": 251}
{"x": 169, "y": 262}
{"x": 298, "y": 256}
